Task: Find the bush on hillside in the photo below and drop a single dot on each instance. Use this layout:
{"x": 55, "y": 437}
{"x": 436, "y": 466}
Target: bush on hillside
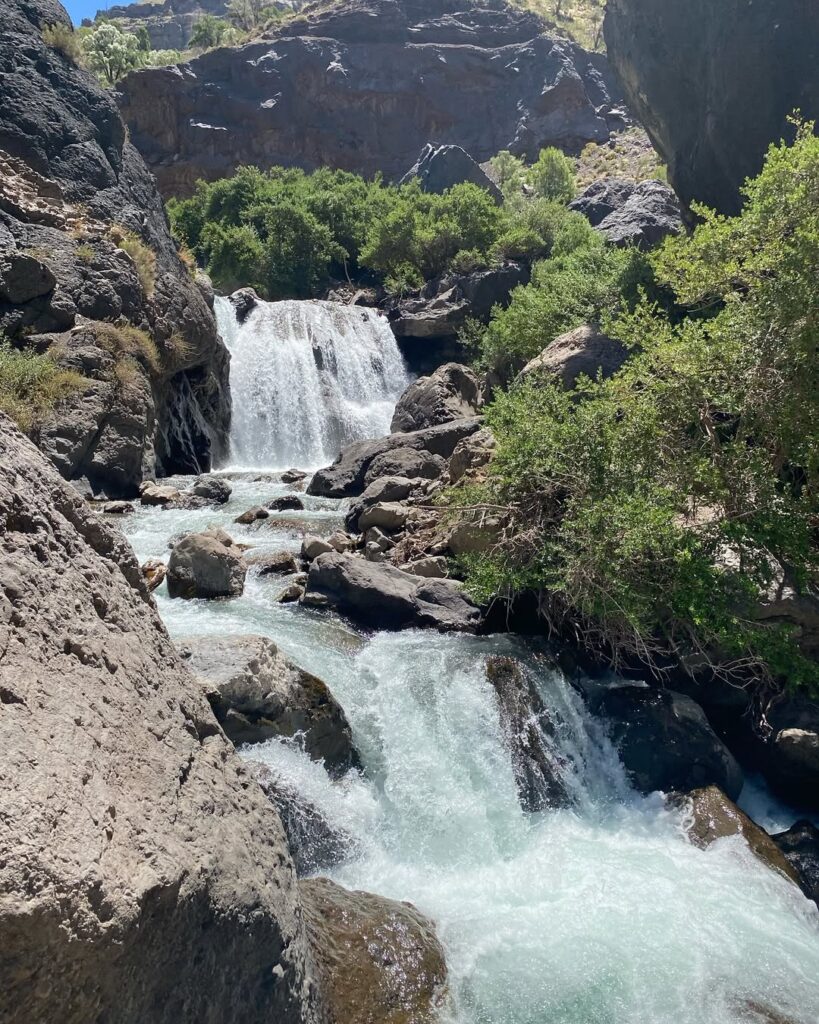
{"x": 31, "y": 385}
{"x": 64, "y": 39}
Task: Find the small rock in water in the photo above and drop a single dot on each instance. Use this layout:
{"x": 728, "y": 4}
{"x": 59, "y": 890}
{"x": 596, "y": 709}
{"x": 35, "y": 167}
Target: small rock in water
{"x": 293, "y": 476}
{"x": 273, "y": 563}
{"x": 117, "y": 508}
{"x": 313, "y": 546}
{"x": 206, "y": 565}
{"x": 212, "y": 488}
{"x": 289, "y": 501}
{"x": 292, "y": 592}
{"x": 155, "y": 494}
{"x": 251, "y": 515}
{"x": 153, "y": 572}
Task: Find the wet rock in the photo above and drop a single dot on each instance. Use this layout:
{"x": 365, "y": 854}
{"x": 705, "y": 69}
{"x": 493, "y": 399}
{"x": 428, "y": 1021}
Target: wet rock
{"x": 313, "y": 546}
{"x": 117, "y": 508}
{"x": 377, "y": 961}
{"x": 158, "y": 494}
{"x": 153, "y": 572}
{"x": 713, "y": 816}
{"x": 431, "y": 567}
{"x": 471, "y": 454}
{"x": 346, "y": 477}
{"x": 382, "y": 597}
{"x": 529, "y": 732}
{"x": 244, "y": 301}
{"x": 631, "y": 214}
{"x": 137, "y": 857}
{"x": 257, "y": 693}
{"x": 800, "y": 845}
{"x": 438, "y": 168}
{"x": 272, "y": 563}
{"x": 291, "y": 593}
{"x": 213, "y": 488}
{"x": 286, "y": 503}
{"x": 582, "y": 352}
{"x": 252, "y": 514}
{"x": 315, "y": 844}
{"x": 293, "y": 476}
{"x": 452, "y": 392}
{"x": 664, "y": 739}
{"x": 388, "y": 516}
{"x": 206, "y": 565}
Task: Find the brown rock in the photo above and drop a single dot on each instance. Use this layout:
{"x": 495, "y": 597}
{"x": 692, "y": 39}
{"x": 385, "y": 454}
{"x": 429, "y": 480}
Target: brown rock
{"x": 153, "y": 572}
{"x": 275, "y": 563}
{"x": 206, "y": 565}
{"x": 582, "y": 352}
{"x": 157, "y": 494}
{"x": 251, "y": 515}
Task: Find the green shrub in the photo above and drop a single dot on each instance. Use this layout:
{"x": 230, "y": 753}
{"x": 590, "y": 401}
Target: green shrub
{"x": 31, "y": 385}
{"x": 467, "y": 261}
{"x": 509, "y": 172}
{"x": 655, "y": 510}
{"x": 210, "y": 31}
{"x": 111, "y": 53}
{"x": 63, "y": 39}
{"x": 552, "y": 176}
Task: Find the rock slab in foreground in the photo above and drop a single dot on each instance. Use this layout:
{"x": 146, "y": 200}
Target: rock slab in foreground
{"x": 378, "y": 961}
{"x": 380, "y": 596}
{"x": 136, "y": 859}
{"x": 257, "y": 693}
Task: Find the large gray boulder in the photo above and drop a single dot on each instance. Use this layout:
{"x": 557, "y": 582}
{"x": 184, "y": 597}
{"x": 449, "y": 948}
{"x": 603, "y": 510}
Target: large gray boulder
{"x": 438, "y": 168}
{"x": 452, "y": 392}
{"x": 627, "y": 213}
{"x": 346, "y": 477}
{"x": 137, "y": 856}
{"x": 206, "y": 565}
{"x": 664, "y": 739}
{"x": 380, "y": 596}
{"x": 257, "y": 693}
{"x": 585, "y": 351}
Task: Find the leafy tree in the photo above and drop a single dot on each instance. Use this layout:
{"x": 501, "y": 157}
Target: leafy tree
{"x": 209, "y": 31}
{"x": 552, "y": 176}
{"x": 509, "y": 172}
{"x": 111, "y": 53}
{"x": 143, "y": 39}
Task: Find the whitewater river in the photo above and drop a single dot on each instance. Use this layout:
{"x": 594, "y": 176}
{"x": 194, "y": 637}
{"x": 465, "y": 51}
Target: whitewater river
{"x": 601, "y": 914}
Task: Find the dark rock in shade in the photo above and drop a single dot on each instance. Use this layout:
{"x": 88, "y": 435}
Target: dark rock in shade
{"x": 713, "y": 816}
{"x": 438, "y": 168}
{"x": 364, "y": 85}
{"x": 257, "y": 693}
{"x": 274, "y": 563}
{"x": 244, "y": 301}
{"x": 137, "y": 857}
{"x": 380, "y": 596}
{"x": 346, "y": 477}
{"x": 287, "y": 503}
{"x": 377, "y": 961}
{"x": 293, "y": 476}
{"x": 70, "y": 193}
{"x": 631, "y": 214}
{"x": 529, "y": 731}
{"x": 663, "y": 739}
{"x": 714, "y": 83}
{"x": 452, "y": 392}
{"x": 314, "y": 843}
{"x": 585, "y": 351}
{"x": 791, "y": 752}
{"x": 206, "y": 565}
{"x": 800, "y": 844}
{"x": 213, "y": 488}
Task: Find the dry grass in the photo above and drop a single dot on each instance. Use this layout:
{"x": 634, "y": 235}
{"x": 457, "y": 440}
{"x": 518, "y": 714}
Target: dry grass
{"x": 176, "y": 351}
{"x": 128, "y": 343}
{"x": 628, "y": 155}
{"x": 142, "y": 256}
{"x": 64, "y": 40}
{"x": 581, "y": 20}
{"x": 32, "y": 385}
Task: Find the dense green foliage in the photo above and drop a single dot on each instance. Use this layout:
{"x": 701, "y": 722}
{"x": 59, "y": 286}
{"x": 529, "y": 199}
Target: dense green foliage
{"x": 209, "y": 31}
{"x": 658, "y": 509}
{"x": 286, "y": 232}
{"x": 31, "y": 385}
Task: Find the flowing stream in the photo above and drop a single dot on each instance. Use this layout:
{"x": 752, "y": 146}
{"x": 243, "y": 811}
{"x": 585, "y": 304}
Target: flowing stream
{"x": 599, "y": 914}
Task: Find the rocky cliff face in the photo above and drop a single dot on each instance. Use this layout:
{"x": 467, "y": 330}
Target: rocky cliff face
{"x": 85, "y": 252}
{"x": 144, "y": 876}
{"x": 364, "y": 86}
{"x": 168, "y": 23}
{"x": 714, "y": 83}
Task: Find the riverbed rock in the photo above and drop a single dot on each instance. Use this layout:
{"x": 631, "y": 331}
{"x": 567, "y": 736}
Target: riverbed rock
{"x": 433, "y": 567}
{"x": 313, "y": 546}
{"x": 257, "y": 693}
{"x": 529, "y": 732}
{"x": 710, "y": 108}
{"x": 117, "y": 508}
{"x": 206, "y": 565}
{"x": 380, "y": 596}
{"x": 293, "y": 476}
{"x": 452, "y": 392}
{"x": 800, "y": 844}
{"x": 663, "y": 739}
{"x": 407, "y": 463}
{"x": 345, "y": 478}
{"x": 364, "y": 86}
{"x": 378, "y": 961}
{"x": 382, "y": 489}
{"x": 136, "y": 857}
{"x": 713, "y": 816}
{"x": 387, "y": 516}
{"x": 292, "y": 592}
{"x": 438, "y": 168}
{"x": 252, "y": 515}
{"x": 272, "y": 563}
{"x": 244, "y": 301}
{"x": 791, "y": 752}
{"x": 153, "y": 572}
{"x": 314, "y": 843}
{"x": 159, "y": 494}
{"x": 213, "y": 488}
{"x": 585, "y": 351}
{"x": 631, "y": 214}
{"x": 287, "y": 503}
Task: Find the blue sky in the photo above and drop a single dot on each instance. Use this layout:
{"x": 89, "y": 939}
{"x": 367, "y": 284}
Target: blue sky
{"x": 79, "y": 9}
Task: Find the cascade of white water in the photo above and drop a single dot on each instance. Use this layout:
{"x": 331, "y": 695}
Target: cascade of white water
{"x": 308, "y": 378}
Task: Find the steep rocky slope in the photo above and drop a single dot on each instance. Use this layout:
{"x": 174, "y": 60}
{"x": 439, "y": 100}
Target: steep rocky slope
{"x": 364, "y": 86}
{"x": 85, "y": 251}
{"x": 168, "y": 23}
{"x": 714, "y": 83}
{"x": 143, "y": 874}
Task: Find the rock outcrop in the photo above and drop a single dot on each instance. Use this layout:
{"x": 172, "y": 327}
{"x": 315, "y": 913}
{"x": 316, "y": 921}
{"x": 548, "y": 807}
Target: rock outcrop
{"x": 169, "y": 23}
{"x": 137, "y": 856}
{"x": 714, "y": 83}
{"x": 452, "y": 392}
{"x": 364, "y": 86}
{"x": 257, "y": 693}
{"x": 89, "y": 272}
{"x": 585, "y": 351}
{"x": 628, "y": 213}
{"x": 438, "y": 168}
{"x": 800, "y": 844}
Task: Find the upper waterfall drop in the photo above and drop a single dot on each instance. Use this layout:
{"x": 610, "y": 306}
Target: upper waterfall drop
{"x": 307, "y": 378}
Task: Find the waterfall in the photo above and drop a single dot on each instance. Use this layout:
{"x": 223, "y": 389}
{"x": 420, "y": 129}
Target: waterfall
{"x": 307, "y": 378}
